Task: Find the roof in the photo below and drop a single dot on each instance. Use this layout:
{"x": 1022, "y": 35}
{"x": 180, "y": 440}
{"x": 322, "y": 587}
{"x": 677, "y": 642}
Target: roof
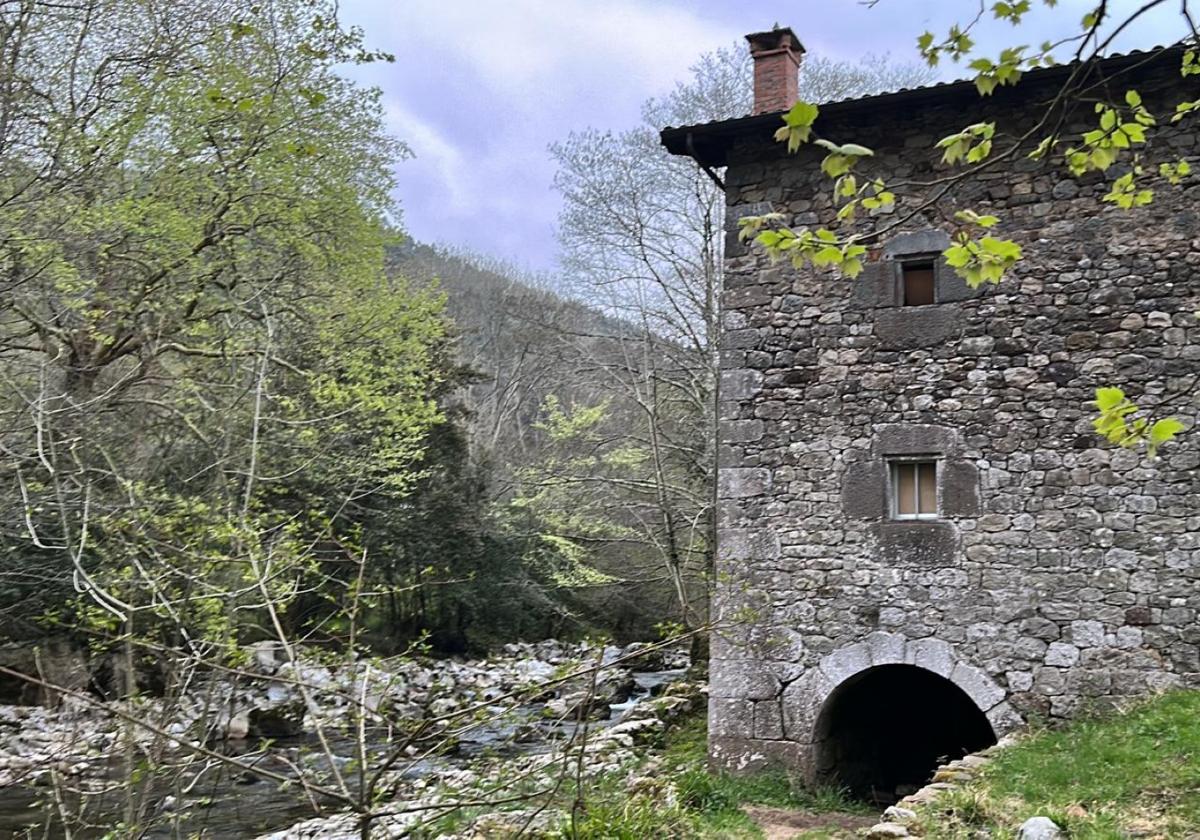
{"x": 710, "y": 142}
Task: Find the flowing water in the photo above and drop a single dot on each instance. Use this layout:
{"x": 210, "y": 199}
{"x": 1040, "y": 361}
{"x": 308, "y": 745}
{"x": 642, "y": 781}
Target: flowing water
{"x": 228, "y": 805}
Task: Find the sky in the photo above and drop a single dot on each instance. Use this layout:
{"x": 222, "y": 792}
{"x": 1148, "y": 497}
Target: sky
{"x": 480, "y": 88}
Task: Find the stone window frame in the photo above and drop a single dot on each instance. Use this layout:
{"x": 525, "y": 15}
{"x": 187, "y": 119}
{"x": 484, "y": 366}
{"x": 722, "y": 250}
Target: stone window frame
{"x": 922, "y": 246}
{"x": 866, "y": 481}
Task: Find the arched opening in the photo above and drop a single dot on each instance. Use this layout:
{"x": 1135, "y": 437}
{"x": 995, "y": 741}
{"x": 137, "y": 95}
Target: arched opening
{"x": 882, "y": 733}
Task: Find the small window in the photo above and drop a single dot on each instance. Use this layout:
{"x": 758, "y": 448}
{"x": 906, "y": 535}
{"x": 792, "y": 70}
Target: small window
{"x": 916, "y": 283}
{"x": 914, "y": 490}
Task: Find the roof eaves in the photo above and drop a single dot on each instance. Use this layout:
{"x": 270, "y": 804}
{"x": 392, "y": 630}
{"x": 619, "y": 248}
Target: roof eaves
{"x": 709, "y": 142}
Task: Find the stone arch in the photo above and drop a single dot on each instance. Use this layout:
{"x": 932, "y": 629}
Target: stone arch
{"x": 883, "y": 733}
{"x": 808, "y": 696}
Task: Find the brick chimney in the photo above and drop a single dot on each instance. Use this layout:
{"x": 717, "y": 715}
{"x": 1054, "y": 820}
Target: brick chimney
{"x": 776, "y": 55}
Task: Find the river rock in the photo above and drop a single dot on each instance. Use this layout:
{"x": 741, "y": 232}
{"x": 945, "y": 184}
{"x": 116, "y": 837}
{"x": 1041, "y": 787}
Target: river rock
{"x": 234, "y": 727}
{"x": 570, "y": 706}
{"x": 642, "y": 656}
{"x": 54, "y": 661}
{"x": 512, "y": 824}
{"x": 897, "y": 814}
{"x": 285, "y": 720}
{"x": 265, "y": 657}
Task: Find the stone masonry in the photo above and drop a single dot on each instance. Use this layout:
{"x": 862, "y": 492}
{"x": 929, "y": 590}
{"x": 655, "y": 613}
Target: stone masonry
{"x": 1060, "y": 573}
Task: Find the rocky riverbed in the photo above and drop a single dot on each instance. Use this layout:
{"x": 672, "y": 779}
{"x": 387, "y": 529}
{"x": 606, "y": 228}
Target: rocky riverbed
{"x": 285, "y": 745}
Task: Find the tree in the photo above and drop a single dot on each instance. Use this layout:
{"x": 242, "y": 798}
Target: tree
{"x": 1116, "y": 148}
{"x": 642, "y": 235}
{"x": 210, "y": 388}
{"x": 205, "y": 369}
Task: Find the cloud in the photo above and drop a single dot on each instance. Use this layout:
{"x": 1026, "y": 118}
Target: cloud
{"x": 479, "y": 90}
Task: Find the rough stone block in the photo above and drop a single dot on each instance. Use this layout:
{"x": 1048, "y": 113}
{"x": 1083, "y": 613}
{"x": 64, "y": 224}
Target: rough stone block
{"x": 933, "y": 655}
{"x": 730, "y": 716}
{"x": 887, "y": 648}
{"x": 742, "y": 679}
{"x": 846, "y": 662}
{"x": 876, "y": 286}
{"x": 959, "y": 488}
{"x": 916, "y": 542}
{"x": 747, "y": 544}
{"x": 740, "y": 384}
{"x": 741, "y": 431}
{"x": 1062, "y": 655}
{"x": 741, "y": 483}
{"x": 864, "y": 490}
{"x": 768, "y": 720}
{"x": 1087, "y": 633}
{"x": 930, "y": 241}
{"x": 803, "y": 700}
{"x": 978, "y": 685}
{"x": 914, "y": 439}
{"x": 913, "y": 327}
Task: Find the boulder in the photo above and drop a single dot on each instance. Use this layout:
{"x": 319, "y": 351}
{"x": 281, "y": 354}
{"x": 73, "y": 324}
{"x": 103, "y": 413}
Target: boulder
{"x": 615, "y": 686}
{"x": 1039, "y": 828}
{"x": 233, "y": 727}
{"x": 896, "y": 814}
{"x": 284, "y": 720}
{"x": 569, "y": 706}
{"x": 55, "y": 661}
{"x": 512, "y": 824}
{"x": 265, "y": 657}
{"x": 644, "y": 657}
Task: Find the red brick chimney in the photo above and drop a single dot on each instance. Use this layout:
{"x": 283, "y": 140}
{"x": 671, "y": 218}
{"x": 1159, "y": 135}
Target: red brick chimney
{"x": 776, "y": 55}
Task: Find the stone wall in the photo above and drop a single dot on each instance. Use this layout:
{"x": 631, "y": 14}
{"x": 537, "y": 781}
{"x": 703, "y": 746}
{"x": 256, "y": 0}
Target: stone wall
{"x": 1062, "y": 572}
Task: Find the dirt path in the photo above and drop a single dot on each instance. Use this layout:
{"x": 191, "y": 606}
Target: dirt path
{"x": 782, "y": 824}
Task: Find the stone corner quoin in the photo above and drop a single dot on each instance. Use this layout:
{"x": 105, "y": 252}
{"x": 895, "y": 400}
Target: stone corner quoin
{"x": 1059, "y": 573}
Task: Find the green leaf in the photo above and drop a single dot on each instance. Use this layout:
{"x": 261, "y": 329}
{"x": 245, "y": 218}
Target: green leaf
{"x": 797, "y": 125}
{"x": 1165, "y": 430}
{"x": 1109, "y": 398}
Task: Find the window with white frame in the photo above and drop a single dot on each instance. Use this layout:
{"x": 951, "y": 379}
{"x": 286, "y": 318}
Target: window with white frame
{"x": 914, "y": 488}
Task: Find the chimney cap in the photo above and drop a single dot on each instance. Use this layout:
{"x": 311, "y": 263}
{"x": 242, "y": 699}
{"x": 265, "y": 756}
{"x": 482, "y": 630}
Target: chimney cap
{"x": 777, "y": 38}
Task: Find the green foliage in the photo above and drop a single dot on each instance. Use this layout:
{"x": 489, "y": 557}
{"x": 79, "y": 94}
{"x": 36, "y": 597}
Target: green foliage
{"x": 1127, "y": 194}
{"x": 1190, "y": 66}
{"x": 691, "y": 802}
{"x": 972, "y": 145}
{"x": 1175, "y": 172}
{"x": 841, "y": 159}
{"x": 822, "y": 248}
{"x": 596, "y": 482}
{"x": 1005, "y": 70}
{"x": 1115, "y": 421}
{"x": 1011, "y": 11}
{"x": 1115, "y": 133}
{"x": 198, "y": 299}
{"x": 797, "y": 125}
{"x": 983, "y": 260}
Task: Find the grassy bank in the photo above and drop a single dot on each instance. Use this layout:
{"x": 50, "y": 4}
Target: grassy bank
{"x": 1133, "y": 774}
{"x": 679, "y": 798}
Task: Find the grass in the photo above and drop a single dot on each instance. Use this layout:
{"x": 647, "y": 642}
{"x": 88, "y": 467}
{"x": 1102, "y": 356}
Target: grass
{"x": 687, "y": 801}
{"x": 1136, "y": 773}
{"x": 677, "y": 798}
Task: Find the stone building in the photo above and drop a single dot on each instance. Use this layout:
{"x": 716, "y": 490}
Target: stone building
{"x": 921, "y": 543}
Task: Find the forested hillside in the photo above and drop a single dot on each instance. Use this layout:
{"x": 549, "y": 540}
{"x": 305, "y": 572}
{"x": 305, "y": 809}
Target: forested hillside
{"x": 538, "y": 482}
